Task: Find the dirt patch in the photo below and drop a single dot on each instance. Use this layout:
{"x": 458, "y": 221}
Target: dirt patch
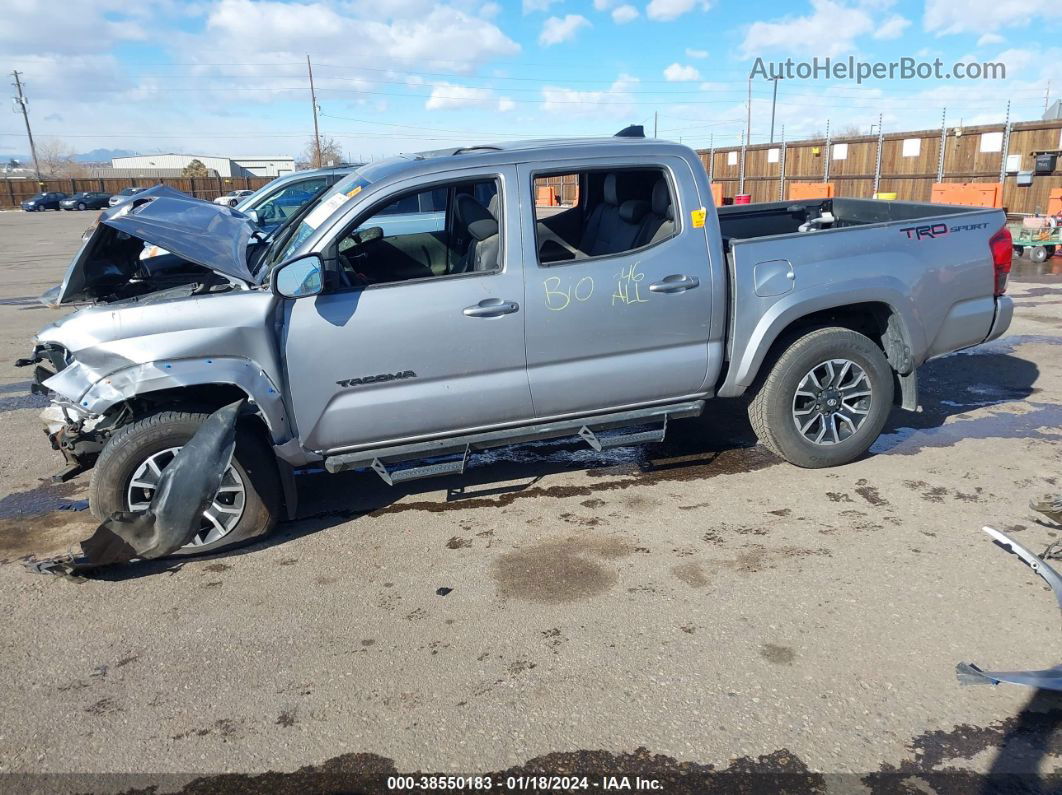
{"x": 559, "y": 570}
{"x": 779, "y": 655}
{"x": 458, "y": 543}
{"x": 869, "y": 493}
{"x": 692, "y": 573}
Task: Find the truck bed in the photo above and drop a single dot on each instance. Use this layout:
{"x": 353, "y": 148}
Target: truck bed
{"x": 929, "y": 263}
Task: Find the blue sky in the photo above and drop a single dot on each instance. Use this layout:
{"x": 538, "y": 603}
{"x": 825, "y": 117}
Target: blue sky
{"x": 229, "y": 76}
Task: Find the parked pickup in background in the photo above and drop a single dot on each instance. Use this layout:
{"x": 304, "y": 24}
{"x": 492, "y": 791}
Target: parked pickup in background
{"x": 405, "y": 347}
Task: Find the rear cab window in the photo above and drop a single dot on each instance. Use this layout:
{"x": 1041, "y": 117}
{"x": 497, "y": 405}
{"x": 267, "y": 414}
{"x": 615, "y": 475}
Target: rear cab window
{"x": 601, "y": 212}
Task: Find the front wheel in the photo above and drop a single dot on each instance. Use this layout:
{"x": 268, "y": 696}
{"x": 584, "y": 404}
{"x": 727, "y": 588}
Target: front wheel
{"x": 1038, "y": 254}
{"x": 128, "y": 469}
{"x": 825, "y": 400}
{"x": 81, "y": 205}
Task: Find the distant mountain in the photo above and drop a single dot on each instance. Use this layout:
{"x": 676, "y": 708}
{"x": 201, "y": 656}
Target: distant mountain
{"x": 102, "y": 155}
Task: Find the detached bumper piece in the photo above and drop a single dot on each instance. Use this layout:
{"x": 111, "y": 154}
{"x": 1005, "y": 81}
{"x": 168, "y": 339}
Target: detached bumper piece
{"x": 1046, "y": 679}
{"x": 185, "y": 489}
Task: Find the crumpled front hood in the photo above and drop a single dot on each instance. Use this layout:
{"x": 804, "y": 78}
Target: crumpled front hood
{"x": 209, "y": 235}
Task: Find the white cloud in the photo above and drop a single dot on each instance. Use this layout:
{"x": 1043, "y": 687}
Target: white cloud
{"x": 892, "y": 28}
{"x": 666, "y": 10}
{"x": 557, "y": 30}
{"x": 990, "y": 38}
{"x": 451, "y": 96}
{"x": 602, "y": 5}
{"x": 692, "y": 53}
{"x": 531, "y": 6}
{"x": 250, "y": 31}
{"x": 77, "y": 26}
{"x": 976, "y": 16}
{"x": 489, "y": 10}
{"x": 621, "y": 15}
{"x": 831, "y": 29}
{"x": 505, "y": 104}
{"x": 616, "y": 100}
{"x": 680, "y": 73}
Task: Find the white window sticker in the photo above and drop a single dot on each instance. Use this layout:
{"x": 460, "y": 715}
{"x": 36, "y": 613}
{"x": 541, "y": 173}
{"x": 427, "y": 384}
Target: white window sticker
{"x": 772, "y": 155}
{"x": 912, "y": 147}
{"x": 731, "y": 158}
{"x": 840, "y": 151}
{"x": 324, "y": 209}
{"x": 1014, "y": 163}
{"x": 992, "y": 142}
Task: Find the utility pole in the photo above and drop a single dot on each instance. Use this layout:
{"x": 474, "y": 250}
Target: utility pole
{"x": 22, "y": 101}
{"x": 774, "y": 102}
{"x": 313, "y": 99}
{"x": 655, "y": 119}
{"x": 748, "y": 118}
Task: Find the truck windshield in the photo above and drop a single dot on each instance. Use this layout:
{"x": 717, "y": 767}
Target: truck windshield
{"x": 339, "y": 194}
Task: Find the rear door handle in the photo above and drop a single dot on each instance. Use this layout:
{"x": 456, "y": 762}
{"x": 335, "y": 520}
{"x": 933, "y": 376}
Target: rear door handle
{"x": 675, "y": 283}
{"x": 492, "y": 307}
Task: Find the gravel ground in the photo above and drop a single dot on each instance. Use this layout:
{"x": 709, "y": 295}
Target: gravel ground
{"x": 695, "y": 612}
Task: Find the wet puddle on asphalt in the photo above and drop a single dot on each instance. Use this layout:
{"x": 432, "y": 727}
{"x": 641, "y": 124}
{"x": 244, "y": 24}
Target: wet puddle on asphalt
{"x": 43, "y": 520}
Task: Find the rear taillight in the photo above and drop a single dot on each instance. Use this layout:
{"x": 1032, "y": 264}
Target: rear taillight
{"x": 1002, "y": 246}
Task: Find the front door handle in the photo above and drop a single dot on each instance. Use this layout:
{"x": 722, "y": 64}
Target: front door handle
{"x": 675, "y": 283}
{"x": 492, "y": 307}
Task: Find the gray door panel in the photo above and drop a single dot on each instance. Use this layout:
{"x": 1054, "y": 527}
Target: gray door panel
{"x": 598, "y": 336}
{"x": 459, "y": 370}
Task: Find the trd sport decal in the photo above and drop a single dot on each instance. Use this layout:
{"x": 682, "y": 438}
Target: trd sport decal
{"x": 376, "y": 379}
{"x": 937, "y": 230}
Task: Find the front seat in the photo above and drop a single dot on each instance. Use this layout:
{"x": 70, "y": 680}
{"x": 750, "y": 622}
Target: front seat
{"x": 485, "y": 243}
{"x": 659, "y": 224}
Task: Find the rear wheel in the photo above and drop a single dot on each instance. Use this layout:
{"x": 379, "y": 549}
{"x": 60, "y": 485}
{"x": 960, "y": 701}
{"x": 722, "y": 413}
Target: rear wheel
{"x": 825, "y": 400}
{"x": 128, "y": 469}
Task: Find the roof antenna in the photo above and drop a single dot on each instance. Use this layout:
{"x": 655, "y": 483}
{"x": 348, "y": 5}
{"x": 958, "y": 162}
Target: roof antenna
{"x": 631, "y": 131}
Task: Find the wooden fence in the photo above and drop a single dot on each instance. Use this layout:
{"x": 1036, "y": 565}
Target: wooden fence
{"x": 13, "y": 191}
{"x": 909, "y": 164}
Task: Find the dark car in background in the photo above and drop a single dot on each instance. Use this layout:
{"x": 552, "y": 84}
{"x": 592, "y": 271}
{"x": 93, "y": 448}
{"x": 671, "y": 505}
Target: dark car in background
{"x": 122, "y": 195}
{"x": 43, "y": 201}
{"x": 86, "y": 200}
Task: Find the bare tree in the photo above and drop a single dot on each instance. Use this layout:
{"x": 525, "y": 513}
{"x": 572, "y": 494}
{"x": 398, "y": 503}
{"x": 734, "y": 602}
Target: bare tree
{"x": 55, "y": 158}
{"x": 195, "y": 169}
{"x": 848, "y": 131}
{"x": 331, "y": 153}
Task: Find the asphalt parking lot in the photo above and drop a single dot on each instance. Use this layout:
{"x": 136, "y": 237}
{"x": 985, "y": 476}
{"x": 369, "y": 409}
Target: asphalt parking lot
{"x": 695, "y": 603}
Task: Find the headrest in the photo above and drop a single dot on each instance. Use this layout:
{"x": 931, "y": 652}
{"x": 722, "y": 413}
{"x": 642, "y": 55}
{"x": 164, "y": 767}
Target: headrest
{"x": 661, "y": 199}
{"x": 492, "y": 205}
{"x": 611, "y": 190}
{"x": 476, "y": 218}
{"x": 633, "y": 211}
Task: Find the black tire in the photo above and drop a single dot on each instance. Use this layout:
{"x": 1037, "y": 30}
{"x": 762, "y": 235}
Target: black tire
{"x": 129, "y": 447}
{"x": 771, "y": 408}
{"x": 1038, "y": 254}
{"x": 41, "y": 208}
{"x": 1050, "y": 251}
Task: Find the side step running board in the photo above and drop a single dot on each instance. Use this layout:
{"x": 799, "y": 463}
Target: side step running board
{"x": 393, "y": 476}
{"x": 600, "y": 443}
{"x": 589, "y": 429}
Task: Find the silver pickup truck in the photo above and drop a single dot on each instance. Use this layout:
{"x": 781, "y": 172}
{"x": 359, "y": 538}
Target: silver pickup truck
{"x": 426, "y": 307}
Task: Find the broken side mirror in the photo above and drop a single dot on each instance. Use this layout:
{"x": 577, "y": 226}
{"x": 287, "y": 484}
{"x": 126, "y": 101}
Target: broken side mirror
{"x": 300, "y": 277}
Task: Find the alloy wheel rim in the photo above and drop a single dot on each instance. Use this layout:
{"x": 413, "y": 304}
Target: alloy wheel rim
{"x": 219, "y": 519}
{"x": 832, "y": 401}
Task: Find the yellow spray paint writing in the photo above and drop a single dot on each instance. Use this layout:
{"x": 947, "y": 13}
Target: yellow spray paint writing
{"x": 558, "y": 299}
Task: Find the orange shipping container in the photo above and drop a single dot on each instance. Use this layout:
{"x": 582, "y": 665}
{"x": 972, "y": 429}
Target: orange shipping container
{"x": 1054, "y": 202}
{"x": 810, "y": 190}
{"x": 969, "y": 194}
